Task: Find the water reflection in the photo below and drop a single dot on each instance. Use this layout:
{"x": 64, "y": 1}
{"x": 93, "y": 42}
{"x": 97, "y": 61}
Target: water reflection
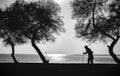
{"x": 56, "y": 58}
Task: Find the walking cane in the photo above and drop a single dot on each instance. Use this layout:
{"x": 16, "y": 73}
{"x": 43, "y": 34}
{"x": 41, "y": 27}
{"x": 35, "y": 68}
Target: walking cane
{"x": 83, "y": 57}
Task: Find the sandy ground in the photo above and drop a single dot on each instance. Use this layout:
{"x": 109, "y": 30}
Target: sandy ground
{"x": 59, "y": 69}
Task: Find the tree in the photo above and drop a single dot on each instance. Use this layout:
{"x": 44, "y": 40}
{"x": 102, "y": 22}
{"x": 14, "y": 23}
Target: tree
{"x": 44, "y": 21}
{"x": 100, "y": 23}
{"x": 36, "y": 22}
{"x": 9, "y": 28}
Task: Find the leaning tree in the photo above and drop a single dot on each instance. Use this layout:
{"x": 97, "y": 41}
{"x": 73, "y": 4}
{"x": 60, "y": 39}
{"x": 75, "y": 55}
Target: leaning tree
{"x": 42, "y": 22}
{"x": 39, "y": 21}
{"x": 9, "y": 27}
{"x": 98, "y": 20}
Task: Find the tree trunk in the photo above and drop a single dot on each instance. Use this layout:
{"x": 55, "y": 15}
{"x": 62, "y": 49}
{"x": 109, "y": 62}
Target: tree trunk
{"x": 111, "y": 47}
{"x": 39, "y": 52}
{"x": 13, "y": 53}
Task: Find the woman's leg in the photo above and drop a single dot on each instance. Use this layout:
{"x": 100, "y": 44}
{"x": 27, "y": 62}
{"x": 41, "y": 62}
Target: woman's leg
{"x": 91, "y": 61}
{"x": 88, "y": 61}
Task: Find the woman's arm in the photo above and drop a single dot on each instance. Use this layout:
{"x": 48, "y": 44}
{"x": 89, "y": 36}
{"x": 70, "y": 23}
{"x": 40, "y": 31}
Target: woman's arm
{"x": 84, "y": 52}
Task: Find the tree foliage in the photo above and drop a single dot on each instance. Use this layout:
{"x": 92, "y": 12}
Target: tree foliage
{"x": 42, "y": 21}
{"x": 103, "y": 28}
{"x": 10, "y": 25}
{"x": 102, "y": 24}
{"x": 24, "y": 20}
{"x": 34, "y": 21}
{"x": 84, "y": 8}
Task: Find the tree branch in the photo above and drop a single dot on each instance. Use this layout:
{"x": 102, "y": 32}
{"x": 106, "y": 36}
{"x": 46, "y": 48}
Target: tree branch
{"x": 118, "y": 32}
{"x": 108, "y": 46}
{"x": 105, "y": 33}
{"x": 28, "y": 37}
{"x": 93, "y": 19}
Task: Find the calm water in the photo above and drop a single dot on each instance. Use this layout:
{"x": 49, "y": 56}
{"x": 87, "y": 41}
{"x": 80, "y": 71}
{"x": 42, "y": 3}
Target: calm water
{"x": 57, "y": 58}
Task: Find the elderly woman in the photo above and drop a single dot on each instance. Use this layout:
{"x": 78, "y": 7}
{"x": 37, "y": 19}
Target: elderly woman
{"x": 90, "y": 54}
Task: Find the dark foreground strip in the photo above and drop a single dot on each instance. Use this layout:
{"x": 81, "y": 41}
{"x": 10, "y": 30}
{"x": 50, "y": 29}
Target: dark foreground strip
{"x": 59, "y": 69}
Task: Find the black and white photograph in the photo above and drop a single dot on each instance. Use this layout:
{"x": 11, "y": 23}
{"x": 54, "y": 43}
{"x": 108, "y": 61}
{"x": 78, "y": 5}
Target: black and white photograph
{"x": 60, "y": 37}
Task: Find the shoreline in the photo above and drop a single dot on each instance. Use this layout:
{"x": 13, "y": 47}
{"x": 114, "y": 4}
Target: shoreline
{"x": 57, "y": 59}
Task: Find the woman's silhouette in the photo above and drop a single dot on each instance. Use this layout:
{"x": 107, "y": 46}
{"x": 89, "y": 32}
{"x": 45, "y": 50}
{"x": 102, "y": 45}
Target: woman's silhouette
{"x": 90, "y": 54}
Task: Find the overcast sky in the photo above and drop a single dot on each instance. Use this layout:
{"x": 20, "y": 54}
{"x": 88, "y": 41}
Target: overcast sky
{"x": 66, "y": 43}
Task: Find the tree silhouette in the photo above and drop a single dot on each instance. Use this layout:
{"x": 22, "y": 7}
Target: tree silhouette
{"x": 35, "y": 22}
{"x": 100, "y": 22}
{"x": 43, "y": 21}
{"x": 9, "y": 28}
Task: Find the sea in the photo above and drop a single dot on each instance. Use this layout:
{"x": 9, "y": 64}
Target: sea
{"x": 58, "y": 58}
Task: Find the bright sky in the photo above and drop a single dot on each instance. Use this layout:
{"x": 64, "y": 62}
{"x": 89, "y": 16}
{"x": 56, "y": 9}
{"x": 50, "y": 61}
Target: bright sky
{"x": 66, "y": 43}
